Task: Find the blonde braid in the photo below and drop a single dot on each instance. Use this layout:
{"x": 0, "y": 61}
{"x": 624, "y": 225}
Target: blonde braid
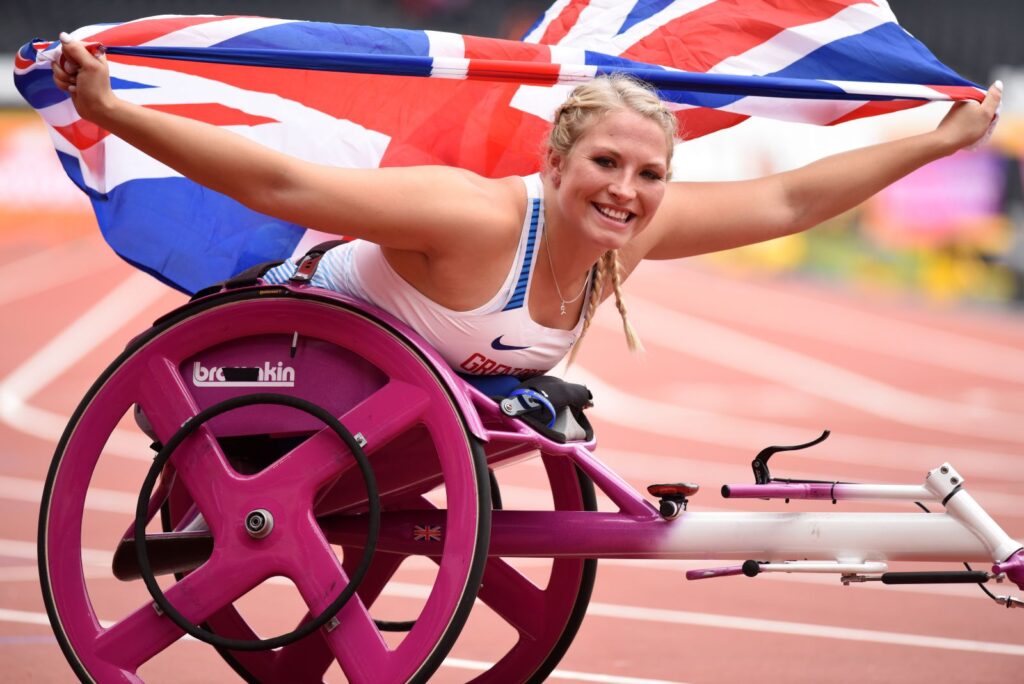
{"x": 600, "y": 274}
{"x": 607, "y": 268}
{"x": 632, "y": 339}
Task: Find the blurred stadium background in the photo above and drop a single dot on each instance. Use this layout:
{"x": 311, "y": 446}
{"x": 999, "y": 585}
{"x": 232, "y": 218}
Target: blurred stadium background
{"x": 952, "y": 233}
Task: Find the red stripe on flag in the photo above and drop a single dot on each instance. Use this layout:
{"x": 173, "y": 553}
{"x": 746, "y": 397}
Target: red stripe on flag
{"x": 961, "y": 92}
{"x": 563, "y": 23}
{"x": 138, "y": 32}
{"x": 700, "y": 121}
{"x": 701, "y": 39}
{"x": 22, "y": 63}
{"x": 875, "y": 108}
{"x": 82, "y": 134}
{"x": 490, "y": 48}
{"x": 213, "y": 113}
{"x": 536, "y": 73}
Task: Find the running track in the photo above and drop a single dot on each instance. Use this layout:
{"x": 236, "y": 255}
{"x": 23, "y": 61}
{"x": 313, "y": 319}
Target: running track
{"x": 732, "y": 365}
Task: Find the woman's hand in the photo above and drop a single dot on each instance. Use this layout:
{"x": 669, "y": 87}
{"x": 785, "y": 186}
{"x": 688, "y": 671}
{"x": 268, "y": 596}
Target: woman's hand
{"x": 967, "y": 123}
{"x": 85, "y": 77}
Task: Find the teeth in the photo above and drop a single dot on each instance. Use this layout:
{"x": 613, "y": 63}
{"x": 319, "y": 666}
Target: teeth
{"x": 614, "y": 214}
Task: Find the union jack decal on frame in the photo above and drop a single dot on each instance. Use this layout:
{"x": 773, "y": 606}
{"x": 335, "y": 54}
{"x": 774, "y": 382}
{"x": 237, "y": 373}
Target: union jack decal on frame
{"x": 427, "y": 533}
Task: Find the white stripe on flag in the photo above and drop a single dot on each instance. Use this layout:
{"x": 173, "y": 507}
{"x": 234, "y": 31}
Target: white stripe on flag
{"x": 444, "y": 44}
{"x": 797, "y": 42}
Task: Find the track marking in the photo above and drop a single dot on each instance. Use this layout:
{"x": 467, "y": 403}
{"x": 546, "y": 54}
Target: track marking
{"x": 726, "y": 347}
{"x": 31, "y": 618}
{"x": 68, "y": 347}
{"x": 848, "y": 326}
{"x": 46, "y": 270}
{"x": 482, "y": 666}
{"x": 97, "y": 499}
{"x": 636, "y": 412}
{"x": 801, "y": 629}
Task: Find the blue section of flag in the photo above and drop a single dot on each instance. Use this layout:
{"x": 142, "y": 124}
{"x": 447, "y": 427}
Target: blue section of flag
{"x": 161, "y": 225}
{"x": 122, "y": 84}
{"x": 906, "y": 60}
{"x": 644, "y": 9}
{"x": 38, "y": 89}
{"x": 305, "y": 36}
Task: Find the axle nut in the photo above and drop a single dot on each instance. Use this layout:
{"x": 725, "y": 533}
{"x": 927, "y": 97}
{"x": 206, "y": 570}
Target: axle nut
{"x": 259, "y": 523}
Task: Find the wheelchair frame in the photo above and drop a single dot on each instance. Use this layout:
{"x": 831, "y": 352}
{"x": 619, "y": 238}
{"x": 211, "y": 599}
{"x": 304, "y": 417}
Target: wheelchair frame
{"x": 422, "y": 428}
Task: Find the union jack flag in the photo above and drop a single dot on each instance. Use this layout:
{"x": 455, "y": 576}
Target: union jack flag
{"x": 427, "y": 533}
{"x": 358, "y": 96}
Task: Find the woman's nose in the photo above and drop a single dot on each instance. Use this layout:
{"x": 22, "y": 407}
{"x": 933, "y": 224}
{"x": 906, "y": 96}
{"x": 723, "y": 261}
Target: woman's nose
{"x": 622, "y": 189}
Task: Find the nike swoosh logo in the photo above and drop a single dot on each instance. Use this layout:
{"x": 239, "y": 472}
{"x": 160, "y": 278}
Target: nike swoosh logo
{"x": 496, "y": 344}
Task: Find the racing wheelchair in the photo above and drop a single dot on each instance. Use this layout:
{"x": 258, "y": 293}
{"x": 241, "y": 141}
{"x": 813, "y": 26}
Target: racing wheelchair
{"x": 301, "y": 435}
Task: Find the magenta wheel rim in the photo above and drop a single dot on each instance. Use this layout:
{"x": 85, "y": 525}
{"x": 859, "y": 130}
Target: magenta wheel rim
{"x": 547, "y": 619}
{"x": 150, "y": 373}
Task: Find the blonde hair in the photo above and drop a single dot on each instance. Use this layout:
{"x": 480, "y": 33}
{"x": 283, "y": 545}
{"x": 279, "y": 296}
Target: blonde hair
{"x": 607, "y": 269}
{"x": 572, "y": 119}
{"x": 605, "y": 94}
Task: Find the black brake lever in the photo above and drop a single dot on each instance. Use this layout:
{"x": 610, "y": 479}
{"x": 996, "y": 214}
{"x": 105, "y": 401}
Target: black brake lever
{"x": 760, "y": 464}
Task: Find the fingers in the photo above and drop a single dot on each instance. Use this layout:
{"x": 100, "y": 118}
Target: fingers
{"x": 76, "y": 55}
{"x": 994, "y": 97}
{"x": 63, "y": 79}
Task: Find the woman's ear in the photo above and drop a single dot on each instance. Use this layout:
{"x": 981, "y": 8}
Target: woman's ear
{"x": 555, "y": 163}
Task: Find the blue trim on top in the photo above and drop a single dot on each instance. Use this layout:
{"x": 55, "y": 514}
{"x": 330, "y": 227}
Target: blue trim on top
{"x": 519, "y": 294}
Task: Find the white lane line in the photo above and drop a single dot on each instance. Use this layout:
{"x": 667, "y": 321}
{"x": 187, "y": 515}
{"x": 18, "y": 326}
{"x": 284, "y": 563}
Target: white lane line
{"x": 855, "y": 328}
{"x": 96, "y": 499}
{"x": 618, "y": 407}
{"x": 574, "y": 675}
{"x": 33, "y": 618}
{"x": 684, "y": 617}
{"x": 802, "y": 629}
{"x": 725, "y": 347}
{"x": 46, "y": 270}
{"x": 24, "y": 617}
{"x": 129, "y": 299}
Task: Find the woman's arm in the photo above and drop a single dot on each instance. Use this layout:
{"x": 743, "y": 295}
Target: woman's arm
{"x": 424, "y": 209}
{"x": 696, "y": 218}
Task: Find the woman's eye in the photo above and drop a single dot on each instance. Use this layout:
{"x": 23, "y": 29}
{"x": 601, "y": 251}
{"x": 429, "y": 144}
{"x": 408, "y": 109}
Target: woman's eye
{"x": 651, "y": 175}
{"x": 604, "y": 161}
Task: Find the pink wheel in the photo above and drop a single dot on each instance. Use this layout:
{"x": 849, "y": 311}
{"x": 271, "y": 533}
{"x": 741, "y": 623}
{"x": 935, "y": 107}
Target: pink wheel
{"x": 544, "y": 615}
{"x": 302, "y": 345}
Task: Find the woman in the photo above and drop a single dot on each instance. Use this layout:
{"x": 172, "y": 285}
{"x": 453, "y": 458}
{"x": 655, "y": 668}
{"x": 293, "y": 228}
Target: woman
{"x": 502, "y": 276}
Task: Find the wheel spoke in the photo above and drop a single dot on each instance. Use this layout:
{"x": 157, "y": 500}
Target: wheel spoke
{"x": 145, "y": 633}
{"x": 351, "y": 637}
{"x": 386, "y": 413}
{"x": 310, "y": 658}
{"x": 513, "y": 597}
{"x": 199, "y": 462}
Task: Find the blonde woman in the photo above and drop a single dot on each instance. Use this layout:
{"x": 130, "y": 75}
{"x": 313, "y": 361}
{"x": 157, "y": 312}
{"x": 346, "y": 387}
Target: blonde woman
{"x": 502, "y": 276}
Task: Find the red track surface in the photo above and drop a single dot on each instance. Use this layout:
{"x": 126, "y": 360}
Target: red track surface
{"x": 732, "y": 366}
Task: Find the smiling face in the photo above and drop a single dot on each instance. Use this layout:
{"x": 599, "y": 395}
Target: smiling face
{"x": 612, "y": 181}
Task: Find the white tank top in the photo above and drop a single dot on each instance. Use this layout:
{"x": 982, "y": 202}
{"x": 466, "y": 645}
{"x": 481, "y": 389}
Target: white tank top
{"x": 496, "y": 338}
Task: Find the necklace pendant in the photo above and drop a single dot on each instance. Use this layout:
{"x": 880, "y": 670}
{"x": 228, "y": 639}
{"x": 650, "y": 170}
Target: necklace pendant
{"x": 563, "y": 308}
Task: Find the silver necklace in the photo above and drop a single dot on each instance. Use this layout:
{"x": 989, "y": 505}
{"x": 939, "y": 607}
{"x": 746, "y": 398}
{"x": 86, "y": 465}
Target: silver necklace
{"x": 554, "y": 278}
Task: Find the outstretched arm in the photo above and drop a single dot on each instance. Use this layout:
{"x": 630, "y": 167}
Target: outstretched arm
{"x": 399, "y": 208}
{"x": 697, "y": 218}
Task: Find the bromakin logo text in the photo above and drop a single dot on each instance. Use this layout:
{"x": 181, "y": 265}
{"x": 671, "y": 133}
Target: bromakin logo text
{"x": 250, "y": 376}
